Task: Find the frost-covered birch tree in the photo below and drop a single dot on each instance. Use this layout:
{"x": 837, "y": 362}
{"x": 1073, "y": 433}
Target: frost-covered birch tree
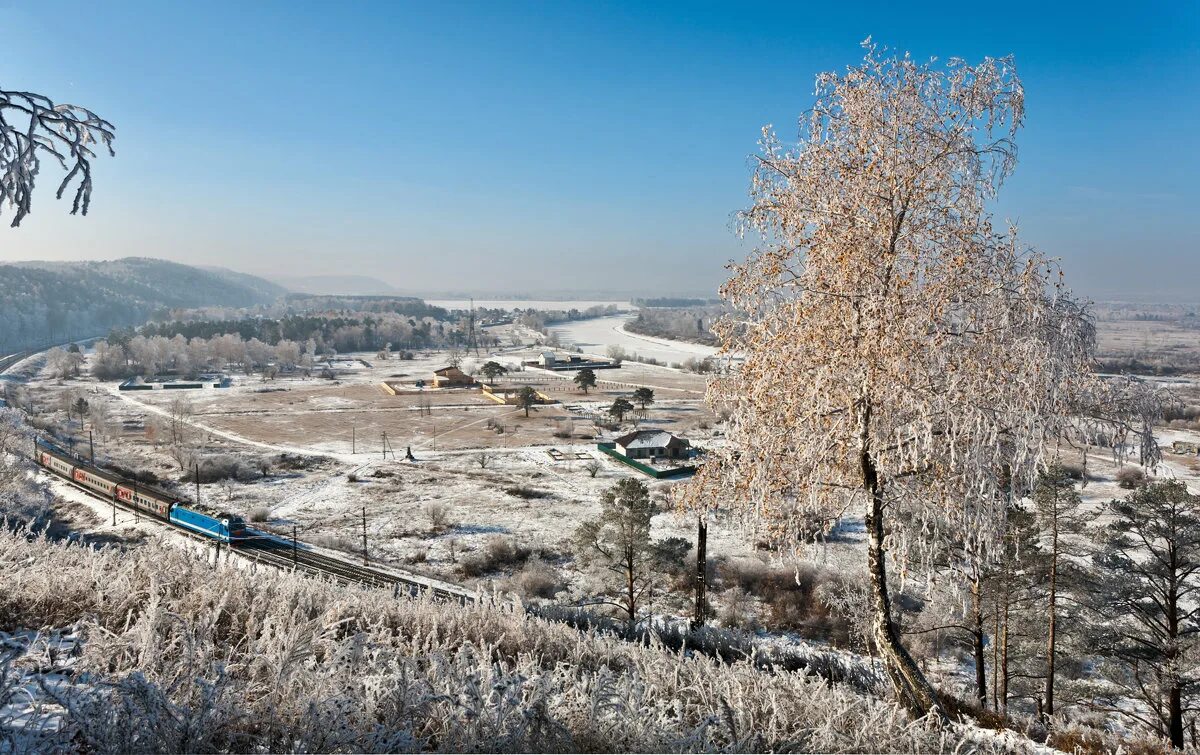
{"x": 905, "y": 362}
{"x": 32, "y": 129}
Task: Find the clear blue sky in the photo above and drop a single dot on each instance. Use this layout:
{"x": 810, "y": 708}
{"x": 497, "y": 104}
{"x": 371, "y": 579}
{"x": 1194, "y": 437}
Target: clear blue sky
{"x": 599, "y": 146}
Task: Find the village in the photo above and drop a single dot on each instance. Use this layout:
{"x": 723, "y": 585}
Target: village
{"x": 446, "y": 458}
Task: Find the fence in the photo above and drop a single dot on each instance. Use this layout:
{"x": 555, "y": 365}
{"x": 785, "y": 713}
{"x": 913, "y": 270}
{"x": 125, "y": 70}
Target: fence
{"x": 658, "y": 474}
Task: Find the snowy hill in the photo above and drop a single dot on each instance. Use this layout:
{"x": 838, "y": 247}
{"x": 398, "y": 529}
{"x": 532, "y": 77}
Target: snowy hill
{"x": 42, "y": 302}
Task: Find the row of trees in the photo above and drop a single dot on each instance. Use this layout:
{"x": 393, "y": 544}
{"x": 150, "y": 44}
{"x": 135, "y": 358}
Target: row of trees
{"x": 141, "y": 355}
{"x": 1080, "y": 612}
{"x": 686, "y": 324}
{"x": 341, "y": 332}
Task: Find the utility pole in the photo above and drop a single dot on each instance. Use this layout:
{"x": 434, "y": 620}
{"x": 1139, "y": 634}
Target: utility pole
{"x": 114, "y": 505}
{"x": 353, "y": 438}
{"x": 386, "y": 446}
{"x": 701, "y": 570}
{"x": 197, "y": 483}
{"x": 91, "y": 447}
{"x": 365, "y": 561}
{"x": 293, "y": 546}
{"x": 472, "y": 342}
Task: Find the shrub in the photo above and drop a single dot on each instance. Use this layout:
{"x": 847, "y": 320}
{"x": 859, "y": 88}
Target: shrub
{"x": 526, "y": 492}
{"x": 222, "y": 467}
{"x": 1074, "y": 469}
{"x": 438, "y": 514}
{"x": 789, "y": 595}
{"x": 260, "y": 514}
{"x": 537, "y": 579}
{"x": 737, "y": 609}
{"x": 498, "y": 553}
{"x": 1131, "y": 477}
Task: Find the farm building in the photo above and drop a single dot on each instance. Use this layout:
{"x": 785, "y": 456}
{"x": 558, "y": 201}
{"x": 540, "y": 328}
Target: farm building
{"x": 652, "y": 444}
{"x": 548, "y": 360}
{"x": 451, "y": 377}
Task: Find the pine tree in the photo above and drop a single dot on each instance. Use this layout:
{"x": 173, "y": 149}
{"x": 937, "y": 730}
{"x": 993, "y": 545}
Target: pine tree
{"x": 1150, "y": 577}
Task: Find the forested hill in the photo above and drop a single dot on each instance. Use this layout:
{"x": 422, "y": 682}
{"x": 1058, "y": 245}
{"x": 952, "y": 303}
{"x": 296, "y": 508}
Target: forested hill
{"x": 49, "y": 302}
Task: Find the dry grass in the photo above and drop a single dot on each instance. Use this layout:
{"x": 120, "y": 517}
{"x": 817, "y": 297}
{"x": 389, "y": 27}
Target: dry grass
{"x": 186, "y": 658}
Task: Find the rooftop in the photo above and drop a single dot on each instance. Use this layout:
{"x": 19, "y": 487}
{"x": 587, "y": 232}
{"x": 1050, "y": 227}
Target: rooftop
{"x": 647, "y": 439}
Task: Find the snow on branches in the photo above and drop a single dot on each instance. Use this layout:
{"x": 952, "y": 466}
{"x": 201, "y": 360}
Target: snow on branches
{"x": 32, "y": 127}
{"x": 904, "y": 359}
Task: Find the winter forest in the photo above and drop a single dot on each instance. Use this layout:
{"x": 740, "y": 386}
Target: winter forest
{"x": 898, "y": 489}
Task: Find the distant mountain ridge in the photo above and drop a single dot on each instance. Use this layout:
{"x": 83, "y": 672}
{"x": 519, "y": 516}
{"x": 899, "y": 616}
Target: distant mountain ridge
{"x": 44, "y": 302}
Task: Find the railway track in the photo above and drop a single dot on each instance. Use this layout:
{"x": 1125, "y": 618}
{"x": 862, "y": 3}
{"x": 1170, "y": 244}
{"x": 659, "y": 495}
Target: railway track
{"x": 271, "y": 550}
{"x": 276, "y": 551}
{"x": 11, "y": 359}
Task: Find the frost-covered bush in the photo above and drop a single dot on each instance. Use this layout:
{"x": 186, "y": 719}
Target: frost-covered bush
{"x": 180, "y": 656}
{"x": 1130, "y": 477}
{"x": 223, "y": 467}
{"x": 537, "y": 579}
{"x": 498, "y": 552}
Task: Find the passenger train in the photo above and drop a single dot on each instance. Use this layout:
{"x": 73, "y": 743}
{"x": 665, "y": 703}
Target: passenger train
{"x": 155, "y": 503}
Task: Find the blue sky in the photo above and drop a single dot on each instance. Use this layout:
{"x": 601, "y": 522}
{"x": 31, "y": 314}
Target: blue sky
{"x": 571, "y": 146}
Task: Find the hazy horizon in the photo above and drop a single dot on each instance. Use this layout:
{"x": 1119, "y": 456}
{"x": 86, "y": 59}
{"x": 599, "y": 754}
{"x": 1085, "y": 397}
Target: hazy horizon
{"x": 568, "y": 148}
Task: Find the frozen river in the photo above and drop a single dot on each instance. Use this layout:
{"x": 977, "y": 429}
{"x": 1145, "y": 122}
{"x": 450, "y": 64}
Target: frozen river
{"x": 540, "y": 304}
{"x": 596, "y": 335}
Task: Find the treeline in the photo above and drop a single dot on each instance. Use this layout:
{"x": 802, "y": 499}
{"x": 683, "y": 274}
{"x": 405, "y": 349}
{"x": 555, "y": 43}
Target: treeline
{"x": 338, "y": 332}
{"x": 397, "y": 305}
{"x": 189, "y": 348}
{"x": 677, "y": 324}
{"x": 674, "y": 302}
{"x": 44, "y": 303}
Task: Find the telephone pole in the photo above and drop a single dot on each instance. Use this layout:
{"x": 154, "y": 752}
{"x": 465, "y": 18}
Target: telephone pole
{"x": 353, "y": 438}
{"x": 293, "y": 546}
{"x": 701, "y": 571}
{"x": 364, "y": 522}
{"x": 197, "y": 483}
{"x": 91, "y": 447}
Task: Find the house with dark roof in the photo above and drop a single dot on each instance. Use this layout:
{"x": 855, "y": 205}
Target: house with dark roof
{"x": 652, "y": 444}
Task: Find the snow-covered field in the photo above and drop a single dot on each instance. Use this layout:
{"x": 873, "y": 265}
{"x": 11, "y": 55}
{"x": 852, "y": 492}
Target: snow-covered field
{"x": 488, "y": 483}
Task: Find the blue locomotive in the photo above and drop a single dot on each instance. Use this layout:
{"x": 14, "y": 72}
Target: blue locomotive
{"x": 224, "y": 527}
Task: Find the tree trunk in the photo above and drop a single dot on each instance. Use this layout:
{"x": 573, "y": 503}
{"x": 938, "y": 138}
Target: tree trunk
{"x": 631, "y": 593}
{"x": 995, "y": 652}
{"x": 911, "y": 686}
{"x": 1052, "y": 625}
{"x": 1002, "y": 706}
{"x": 1175, "y": 704}
{"x": 977, "y": 641}
{"x": 701, "y": 571}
